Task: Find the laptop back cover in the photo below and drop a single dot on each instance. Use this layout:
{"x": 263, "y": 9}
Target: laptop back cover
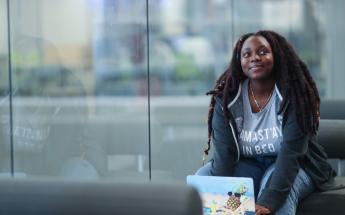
{"x": 224, "y": 195}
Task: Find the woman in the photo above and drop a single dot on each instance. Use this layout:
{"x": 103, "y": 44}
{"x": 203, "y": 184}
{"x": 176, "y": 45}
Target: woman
{"x": 263, "y": 121}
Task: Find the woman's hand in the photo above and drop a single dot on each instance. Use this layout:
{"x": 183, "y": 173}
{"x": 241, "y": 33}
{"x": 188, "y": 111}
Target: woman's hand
{"x": 261, "y": 210}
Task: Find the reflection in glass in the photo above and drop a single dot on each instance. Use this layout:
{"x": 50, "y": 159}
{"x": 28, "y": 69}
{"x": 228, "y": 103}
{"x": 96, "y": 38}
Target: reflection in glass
{"x": 190, "y": 43}
{"x": 66, "y": 120}
{"x": 5, "y": 152}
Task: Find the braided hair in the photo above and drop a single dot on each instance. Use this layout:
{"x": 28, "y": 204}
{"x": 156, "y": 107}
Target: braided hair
{"x": 289, "y": 71}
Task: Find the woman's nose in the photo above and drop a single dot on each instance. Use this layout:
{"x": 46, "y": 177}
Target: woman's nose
{"x": 255, "y": 57}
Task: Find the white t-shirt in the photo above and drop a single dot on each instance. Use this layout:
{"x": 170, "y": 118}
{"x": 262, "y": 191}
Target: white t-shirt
{"x": 260, "y": 133}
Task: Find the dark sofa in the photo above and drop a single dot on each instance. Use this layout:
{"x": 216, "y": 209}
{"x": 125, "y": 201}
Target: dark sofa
{"x": 332, "y": 138}
{"x": 48, "y": 197}
{"x": 332, "y": 109}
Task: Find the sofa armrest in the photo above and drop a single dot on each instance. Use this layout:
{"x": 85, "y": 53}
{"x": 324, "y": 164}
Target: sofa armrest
{"x": 332, "y": 137}
{"x": 36, "y": 197}
{"x": 332, "y": 108}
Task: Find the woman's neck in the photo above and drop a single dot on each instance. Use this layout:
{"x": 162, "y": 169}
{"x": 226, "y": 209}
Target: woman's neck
{"x": 262, "y": 87}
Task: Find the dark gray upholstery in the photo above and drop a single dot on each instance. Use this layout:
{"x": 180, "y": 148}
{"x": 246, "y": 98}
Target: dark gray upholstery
{"x": 329, "y": 202}
{"x": 332, "y": 109}
{"x": 20, "y": 196}
{"x": 332, "y": 138}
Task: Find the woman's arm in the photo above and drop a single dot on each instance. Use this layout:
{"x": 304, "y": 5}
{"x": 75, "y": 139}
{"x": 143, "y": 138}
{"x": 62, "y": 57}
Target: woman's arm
{"x": 224, "y": 151}
{"x": 293, "y": 148}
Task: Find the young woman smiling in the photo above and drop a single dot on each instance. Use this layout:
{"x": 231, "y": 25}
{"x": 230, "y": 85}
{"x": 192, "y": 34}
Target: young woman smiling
{"x": 263, "y": 122}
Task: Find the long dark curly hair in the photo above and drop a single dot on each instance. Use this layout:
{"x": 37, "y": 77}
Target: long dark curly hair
{"x": 290, "y": 73}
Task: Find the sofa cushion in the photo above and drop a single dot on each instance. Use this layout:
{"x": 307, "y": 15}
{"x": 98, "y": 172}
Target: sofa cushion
{"x": 41, "y": 197}
{"x": 332, "y": 109}
{"x": 332, "y": 137}
{"x": 328, "y": 202}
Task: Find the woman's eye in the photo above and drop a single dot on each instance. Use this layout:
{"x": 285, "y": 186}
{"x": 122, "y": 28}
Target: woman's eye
{"x": 245, "y": 55}
{"x": 261, "y": 52}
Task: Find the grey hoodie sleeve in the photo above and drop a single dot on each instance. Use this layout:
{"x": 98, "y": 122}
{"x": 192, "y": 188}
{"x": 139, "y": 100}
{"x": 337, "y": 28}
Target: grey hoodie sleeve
{"x": 293, "y": 148}
{"x": 224, "y": 148}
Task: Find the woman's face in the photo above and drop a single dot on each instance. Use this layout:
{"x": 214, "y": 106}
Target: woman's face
{"x": 257, "y": 58}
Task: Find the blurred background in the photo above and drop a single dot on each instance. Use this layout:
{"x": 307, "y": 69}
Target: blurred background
{"x": 102, "y": 89}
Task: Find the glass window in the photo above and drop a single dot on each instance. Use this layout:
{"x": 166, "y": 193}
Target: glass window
{"x": 80, "y": 82}
{"x": 96, "y": 93}
{"x": 5, "y": 140}
{"x": 190, "y": 42}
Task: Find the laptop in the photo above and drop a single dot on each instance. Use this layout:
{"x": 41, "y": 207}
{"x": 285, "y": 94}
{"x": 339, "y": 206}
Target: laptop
{"x": 224, "y": 195}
